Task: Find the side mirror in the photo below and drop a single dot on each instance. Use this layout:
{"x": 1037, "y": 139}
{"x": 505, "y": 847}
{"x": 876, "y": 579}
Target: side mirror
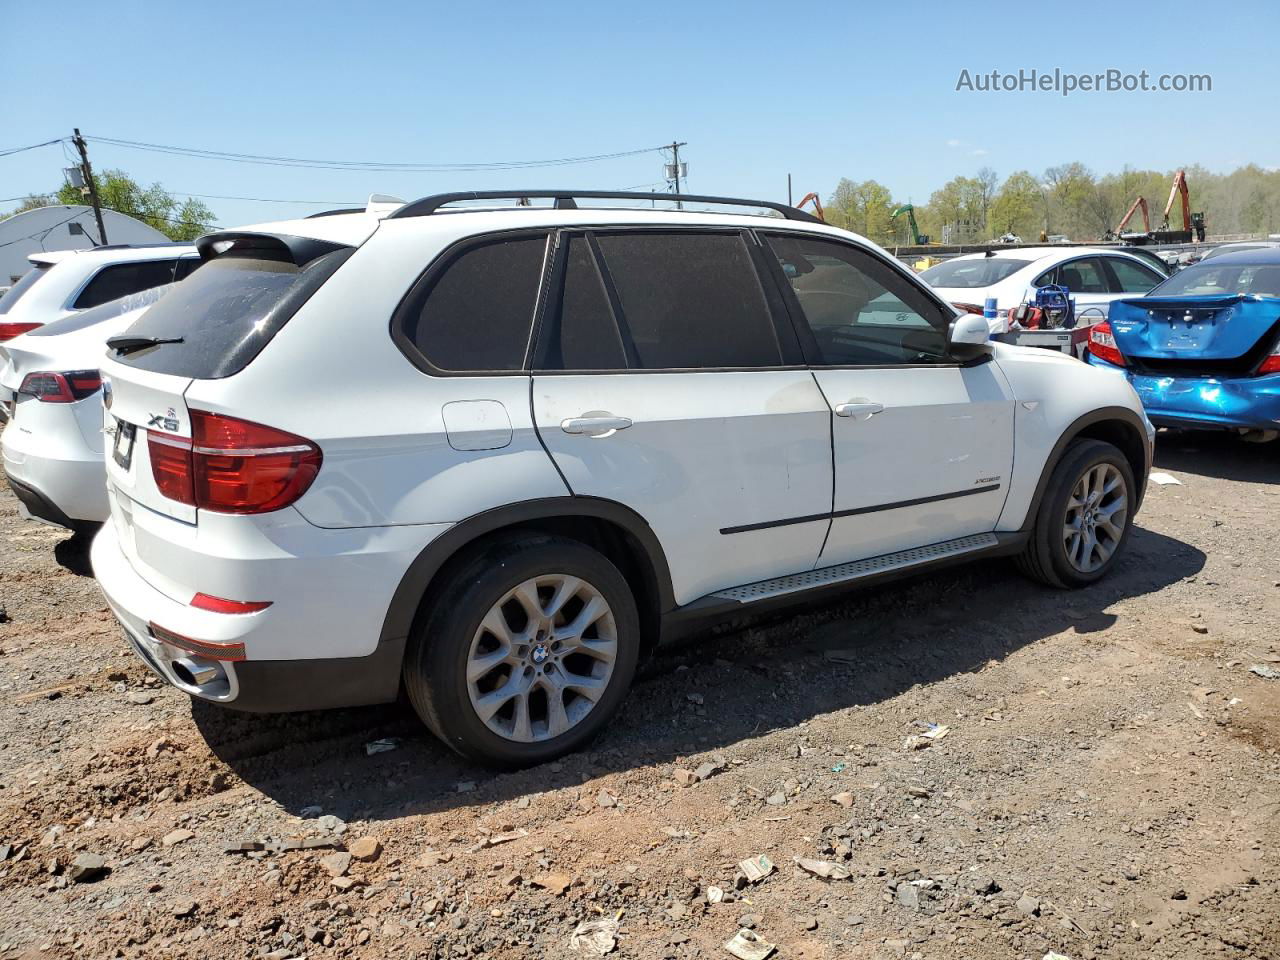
{"x": 969, "y": 337}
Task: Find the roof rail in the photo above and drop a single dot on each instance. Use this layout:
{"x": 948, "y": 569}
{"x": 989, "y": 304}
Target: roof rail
{"x": 334, "y": 213}
{"x": 567, "y": 200}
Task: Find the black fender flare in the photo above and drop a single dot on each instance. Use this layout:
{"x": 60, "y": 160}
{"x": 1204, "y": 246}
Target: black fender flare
{"x": 1079, "y": 426}
{"x": 408, "y": 595}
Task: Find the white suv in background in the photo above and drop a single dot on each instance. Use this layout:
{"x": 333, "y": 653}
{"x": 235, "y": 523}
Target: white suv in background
{"x": 63, "y": 282}
{"x": 495, "y": 455}
{"x": 52, "y": 440}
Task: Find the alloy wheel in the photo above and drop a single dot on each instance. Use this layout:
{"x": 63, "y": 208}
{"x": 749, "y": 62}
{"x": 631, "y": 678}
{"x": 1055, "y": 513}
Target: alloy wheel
{"x": 1097, "y": 513}
{"x": 542, "y": 658}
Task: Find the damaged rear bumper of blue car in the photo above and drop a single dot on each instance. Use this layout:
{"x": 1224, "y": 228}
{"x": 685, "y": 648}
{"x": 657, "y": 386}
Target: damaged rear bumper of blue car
{"x": 1206, "y": 402}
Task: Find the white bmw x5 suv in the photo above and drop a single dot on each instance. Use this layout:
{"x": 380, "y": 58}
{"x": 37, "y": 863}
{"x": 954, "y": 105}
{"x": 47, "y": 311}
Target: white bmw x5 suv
{"x": 495, "y": 455}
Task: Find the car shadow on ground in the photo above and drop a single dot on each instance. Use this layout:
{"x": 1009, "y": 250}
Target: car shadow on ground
{"x": 1217, "y": 453}
{"x": 767, "y": 676}
{"x": 72, "y": 554}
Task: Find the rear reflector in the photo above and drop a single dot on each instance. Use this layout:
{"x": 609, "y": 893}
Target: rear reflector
{"x": 61, "y": 387}
{"x": 10, "y": 330}
{"x": 214, "y": 651}
{"x": 233, "y": 466}
{"x": 202, "y": 601}
{"x": 1103, "y": 345}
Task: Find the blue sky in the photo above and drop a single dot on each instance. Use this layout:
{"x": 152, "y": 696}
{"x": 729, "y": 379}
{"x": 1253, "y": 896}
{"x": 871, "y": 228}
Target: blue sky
{"x": 758, "y": 90}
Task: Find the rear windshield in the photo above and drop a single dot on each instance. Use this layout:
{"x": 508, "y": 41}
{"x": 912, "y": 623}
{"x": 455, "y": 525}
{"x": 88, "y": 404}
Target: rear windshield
{"x": 1222, "y": 279}
{"x": 972, "y": 273}
{"x": 99, "y": 314}
{"x": 25, "y": 282}
{"x": 225, "y": 313}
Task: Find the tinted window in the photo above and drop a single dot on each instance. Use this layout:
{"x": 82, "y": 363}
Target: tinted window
{"x": 859, "y": 311}
{"x": 690, "y": 300}
{"x": 477, "y": 313}
{"x": 25, "y": 283}
{"x": 979, "y": 272}
{"x": 1132, "y": 277}
{"x": 186, "y": 266}
{"x": 581, "y": 334}
{"x": 226, "y": 312}
{"x": 1084, "y": 276}
{"x": 114, "y": 282}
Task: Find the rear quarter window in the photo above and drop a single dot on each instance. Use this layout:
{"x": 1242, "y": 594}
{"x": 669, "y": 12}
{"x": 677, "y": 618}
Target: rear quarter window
{"x": 122, "y": 279}
{"x": 226, "y": 312}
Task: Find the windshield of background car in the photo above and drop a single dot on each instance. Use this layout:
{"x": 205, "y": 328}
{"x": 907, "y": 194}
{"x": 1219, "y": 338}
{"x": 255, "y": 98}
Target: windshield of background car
{"x": 25, "y": 283}
{"x": 972, "y": 273}
{"x": 100, "y": 314}
{"x": 1222, "y": 279}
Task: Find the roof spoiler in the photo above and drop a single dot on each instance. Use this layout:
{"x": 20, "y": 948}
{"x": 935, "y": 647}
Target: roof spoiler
{"x": 271, "y": 246}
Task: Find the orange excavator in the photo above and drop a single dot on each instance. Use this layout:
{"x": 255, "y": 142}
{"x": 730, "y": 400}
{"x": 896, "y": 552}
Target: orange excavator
{"x": 1191, "y": 222}
{"x": 1138, "y": 204}
{"x": 817, "y": 205}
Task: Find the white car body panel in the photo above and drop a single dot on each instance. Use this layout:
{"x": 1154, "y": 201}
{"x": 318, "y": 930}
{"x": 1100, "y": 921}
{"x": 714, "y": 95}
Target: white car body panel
{"x": 706, "y": 452}
{"x": 942, "y": 433}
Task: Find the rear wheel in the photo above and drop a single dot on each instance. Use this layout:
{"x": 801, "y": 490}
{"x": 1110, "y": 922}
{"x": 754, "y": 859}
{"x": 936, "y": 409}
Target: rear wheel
{"x": 1084, "y": 517}
{"x": 527, "y": 651}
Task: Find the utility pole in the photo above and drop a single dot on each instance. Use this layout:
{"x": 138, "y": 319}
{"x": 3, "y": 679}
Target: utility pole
{"x": 674, "y": 147}
{"x": 90, "y": 185}
{"x": 789, "y": 190}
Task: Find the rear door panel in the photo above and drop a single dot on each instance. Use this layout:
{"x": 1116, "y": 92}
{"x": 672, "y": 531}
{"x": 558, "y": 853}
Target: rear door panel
{"x": 706, "y": 453}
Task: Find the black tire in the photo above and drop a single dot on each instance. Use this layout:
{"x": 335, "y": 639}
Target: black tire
{"x": 1045, "y": 556}
{"x": 436, "y": 658}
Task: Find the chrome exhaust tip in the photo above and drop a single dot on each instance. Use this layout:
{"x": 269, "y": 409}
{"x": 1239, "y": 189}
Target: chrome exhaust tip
{"x": 196, "y": 672}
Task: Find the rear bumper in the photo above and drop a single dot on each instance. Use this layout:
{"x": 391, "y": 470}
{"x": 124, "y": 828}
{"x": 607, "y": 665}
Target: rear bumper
{"x": 36, "y": 506}
{"x": 265, "y": 686}
{"x": 56, "y": 461}
{"x": 1206, "y": 402}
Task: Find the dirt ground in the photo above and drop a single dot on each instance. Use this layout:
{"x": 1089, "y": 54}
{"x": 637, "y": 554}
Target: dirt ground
{"x": 1108, "y": 785}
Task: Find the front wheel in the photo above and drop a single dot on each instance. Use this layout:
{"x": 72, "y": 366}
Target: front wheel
{"x": 1084, "y": 518}
{"x": 527, "y": 651}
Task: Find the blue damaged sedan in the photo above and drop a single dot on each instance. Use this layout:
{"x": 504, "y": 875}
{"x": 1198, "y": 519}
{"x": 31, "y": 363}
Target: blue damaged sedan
{"x": 1202, "y": 349}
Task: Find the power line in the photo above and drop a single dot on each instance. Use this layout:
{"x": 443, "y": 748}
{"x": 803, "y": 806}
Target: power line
{"x": 218, "y": 196}
{"x": 35, "y": 146}
{"x": 366, "y": 165}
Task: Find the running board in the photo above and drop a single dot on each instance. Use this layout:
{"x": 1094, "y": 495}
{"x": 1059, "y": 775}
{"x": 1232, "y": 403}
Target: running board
{"x": 858, "y": 569}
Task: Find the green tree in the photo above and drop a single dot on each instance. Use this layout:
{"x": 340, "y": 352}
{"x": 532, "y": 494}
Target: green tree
{"x": 153, "y": 205}
{"x": 1018, "y": 206}
{"x": 864, "y": 208}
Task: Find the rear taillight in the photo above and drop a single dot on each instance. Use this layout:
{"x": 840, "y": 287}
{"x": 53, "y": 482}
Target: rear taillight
{"x": 1103, "y": 345}
{"x": 233, "y": 466}
{"x": 10, "y": 330}
{"x": 1272, "y": 363}
{"x": 61, "y": 387}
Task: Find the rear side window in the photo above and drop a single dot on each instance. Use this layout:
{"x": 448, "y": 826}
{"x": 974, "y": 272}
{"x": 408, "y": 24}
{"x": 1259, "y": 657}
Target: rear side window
{"x": 582, "y": 334}
{"x": 122, "y": 279}
{"x": 226, "y": 312}
{"x": 475, "y": 315}
{"x": 1084, "y": 276}
{"x": 186, "y": 266}
{"x": 1131, "y": 277}
{"x": 25, "y": 283}
{"x": 690, "y": 300}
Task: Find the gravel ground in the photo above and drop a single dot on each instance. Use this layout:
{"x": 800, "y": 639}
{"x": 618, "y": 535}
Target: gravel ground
{"x": 1108, "y": 785}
